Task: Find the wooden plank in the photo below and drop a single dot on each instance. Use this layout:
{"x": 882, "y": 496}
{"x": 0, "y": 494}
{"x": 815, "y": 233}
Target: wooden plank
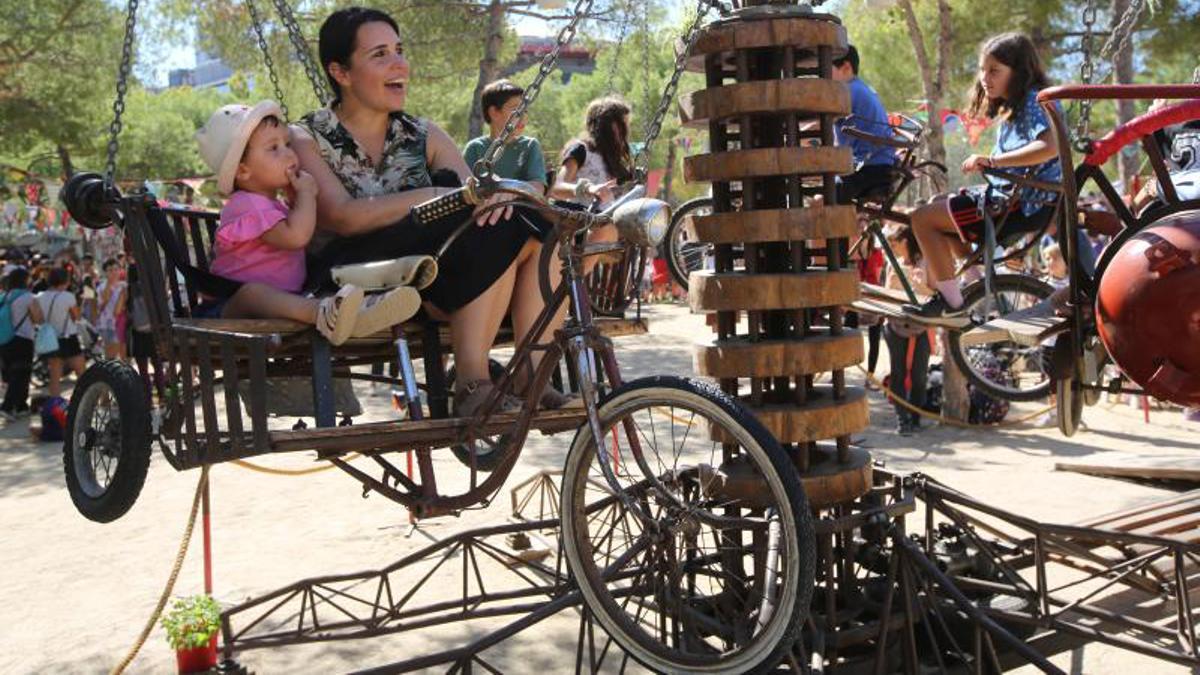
{"x": 1028, "y": 327}
{"x": 891, "y": 295}
{"x": 1191, "y": 474}
{"x": 810, "y": 96}
{"x": 208, "y": 400}
{"x": 737, "y": 165}
{"x": 822, "y": 417}
{"x": 1100, "y": 521}
{"x": 771, "y": 225}
{"x": 233, "y": 404}
{"x": 712, "y": 291}
{"x": 741, "y": 357}
{"x": 887, "y": 310}
{"x": 609, "y": 327}
{"x": 803, "y": 33}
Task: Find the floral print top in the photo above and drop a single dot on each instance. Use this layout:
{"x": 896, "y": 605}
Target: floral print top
{"x": 403, "y": 166}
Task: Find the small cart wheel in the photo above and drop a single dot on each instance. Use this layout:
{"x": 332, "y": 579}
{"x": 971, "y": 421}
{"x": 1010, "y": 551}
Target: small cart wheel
{"x": 106, "y": 453}
{"x": 1070, "y": 405}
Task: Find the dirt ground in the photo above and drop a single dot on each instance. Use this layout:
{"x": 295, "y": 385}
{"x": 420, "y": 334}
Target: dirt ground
{"x": 75, "y": 593}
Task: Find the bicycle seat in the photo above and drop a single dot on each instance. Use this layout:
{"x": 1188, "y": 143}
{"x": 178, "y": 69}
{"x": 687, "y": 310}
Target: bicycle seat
{"x": 417, "y": 271}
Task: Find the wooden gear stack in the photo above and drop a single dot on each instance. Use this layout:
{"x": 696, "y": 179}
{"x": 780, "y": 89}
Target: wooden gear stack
{"x": 769, "y": 107}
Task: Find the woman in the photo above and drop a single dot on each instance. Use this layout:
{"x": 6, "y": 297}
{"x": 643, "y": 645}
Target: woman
{"x": 373, "y": 163}
{"x": 18, "y": 353}
{"x": 1009, "y": 78}
{"x": 110, "y": 309}
{"x": 58, "y": 306}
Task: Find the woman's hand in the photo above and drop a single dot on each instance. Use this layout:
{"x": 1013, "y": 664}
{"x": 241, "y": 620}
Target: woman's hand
{"x": 494, "y": 216}
{"x": 976, "y": 163}
{"x": 603, "y": 191}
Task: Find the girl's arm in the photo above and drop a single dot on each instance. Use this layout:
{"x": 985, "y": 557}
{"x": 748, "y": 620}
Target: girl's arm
{"x": 295, "y": 231}
{"x": 566, "y": 183}
{"x": 342, "y": 214}
{"x": 1040, "y": 150}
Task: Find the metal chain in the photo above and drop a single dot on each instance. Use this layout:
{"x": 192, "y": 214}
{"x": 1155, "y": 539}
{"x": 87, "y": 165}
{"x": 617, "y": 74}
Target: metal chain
{"x": 315, "y": 76}
{"x": 1086, "y": 72}
{"x": 625, "y": 21}
{"x": 483, "y": 168}
{"x": 654, "y": 128}
{"x": 114, "y": 129}
{"x": 256, "y": 21}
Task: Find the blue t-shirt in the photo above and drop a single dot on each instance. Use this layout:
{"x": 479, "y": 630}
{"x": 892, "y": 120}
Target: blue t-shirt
{"x": 868, "y": 115}
{"x": 1022, "y": 128}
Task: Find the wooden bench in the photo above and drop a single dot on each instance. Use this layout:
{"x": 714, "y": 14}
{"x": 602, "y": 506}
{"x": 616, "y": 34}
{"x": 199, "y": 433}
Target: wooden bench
{"x": 237, "y": 357}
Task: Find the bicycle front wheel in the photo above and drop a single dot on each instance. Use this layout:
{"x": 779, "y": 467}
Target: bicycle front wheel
{"x": 703, "y": 561}
{"x": 685, "y": 255}
{"x": 1004, "y": 368}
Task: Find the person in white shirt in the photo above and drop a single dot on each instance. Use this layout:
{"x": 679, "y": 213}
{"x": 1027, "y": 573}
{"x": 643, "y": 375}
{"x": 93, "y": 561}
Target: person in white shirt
{"x": 61, "y": 311}
{"x": 18, "y": 352}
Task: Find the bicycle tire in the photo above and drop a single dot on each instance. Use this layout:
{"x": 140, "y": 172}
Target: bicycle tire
{"x": 772, "y": 599}
{"x": 973, "y": 296}
{"x": 677, "y": 256}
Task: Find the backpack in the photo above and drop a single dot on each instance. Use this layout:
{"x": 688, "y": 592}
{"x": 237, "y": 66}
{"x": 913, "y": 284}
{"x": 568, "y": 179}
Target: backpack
{"x": 7, "y": 330}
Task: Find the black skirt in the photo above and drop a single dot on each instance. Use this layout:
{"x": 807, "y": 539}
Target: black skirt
{"x": 476, "y": 259}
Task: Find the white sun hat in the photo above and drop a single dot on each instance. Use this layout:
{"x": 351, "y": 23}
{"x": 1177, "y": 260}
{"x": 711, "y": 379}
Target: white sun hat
{"x": 223, "y": 140}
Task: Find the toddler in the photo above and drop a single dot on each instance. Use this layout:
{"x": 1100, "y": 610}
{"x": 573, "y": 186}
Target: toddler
{"x": 260, "y": 240}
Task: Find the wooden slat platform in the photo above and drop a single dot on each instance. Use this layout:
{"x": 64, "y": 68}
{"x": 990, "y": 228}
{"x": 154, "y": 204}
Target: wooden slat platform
{"x": 1184, "y": 473}
{"x": 1175, "y": 517}
{"x": 1028, "y": 327}
{"x": 883, "y": 301}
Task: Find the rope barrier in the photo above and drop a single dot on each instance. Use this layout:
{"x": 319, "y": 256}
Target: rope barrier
{"x": 946, "y": 420}
{"x": 166, "y": 592}
{"x": 286, "y": 472}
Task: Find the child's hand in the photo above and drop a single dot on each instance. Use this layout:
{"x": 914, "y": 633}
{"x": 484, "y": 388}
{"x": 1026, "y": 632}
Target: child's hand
{"x": 603, "y": 191}
{"x": 976, "y": 163}
{"x": 303, "y": 183}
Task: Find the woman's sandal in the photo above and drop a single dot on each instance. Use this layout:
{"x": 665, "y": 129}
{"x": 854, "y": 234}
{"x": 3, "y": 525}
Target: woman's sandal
{"x": 336, "y": 314}
{"x": 551, "y": 398}
{"x": 469, "y": 399}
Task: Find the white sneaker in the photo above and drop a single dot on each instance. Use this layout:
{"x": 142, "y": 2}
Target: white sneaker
{"x": 336, "y": 315}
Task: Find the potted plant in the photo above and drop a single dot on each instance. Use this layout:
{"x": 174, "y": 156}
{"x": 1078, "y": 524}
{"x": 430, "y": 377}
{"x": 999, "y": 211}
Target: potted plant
{"x": 192, "y": 626}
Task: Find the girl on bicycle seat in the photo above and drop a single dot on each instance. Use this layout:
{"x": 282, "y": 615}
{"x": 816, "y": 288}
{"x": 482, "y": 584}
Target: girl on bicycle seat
{"x": 1010, "y": 76}
{"x": 260, "y": 241}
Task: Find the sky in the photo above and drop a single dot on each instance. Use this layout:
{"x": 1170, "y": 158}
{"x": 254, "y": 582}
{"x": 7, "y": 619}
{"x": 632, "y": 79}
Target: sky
{"x": 182, "y": 55}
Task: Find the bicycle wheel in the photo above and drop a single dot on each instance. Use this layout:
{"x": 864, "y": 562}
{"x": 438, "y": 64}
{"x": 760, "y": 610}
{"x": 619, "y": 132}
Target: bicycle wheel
{"x": 1025, "y": 375}
{"x": 685, "y": 255}
{"x": 706, "y": 565}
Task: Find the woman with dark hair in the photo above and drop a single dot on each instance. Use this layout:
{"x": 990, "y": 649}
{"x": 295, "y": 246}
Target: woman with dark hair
{"x": 61, "y": 311}
{"x": 598, "y": 160}
{"x": 1010, "y": 76}
{"x": 374, "y": 162}
{"x": 18, "y": 352}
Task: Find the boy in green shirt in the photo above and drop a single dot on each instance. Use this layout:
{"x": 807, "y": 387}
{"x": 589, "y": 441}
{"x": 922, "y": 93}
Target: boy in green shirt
{"x": 521, "y": 158}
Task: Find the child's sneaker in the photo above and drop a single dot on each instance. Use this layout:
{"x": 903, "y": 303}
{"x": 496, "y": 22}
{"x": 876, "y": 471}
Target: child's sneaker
{"x": 336, "y": 314}
{"x": 381, "y": 311}
{"x": 938, "y": 312}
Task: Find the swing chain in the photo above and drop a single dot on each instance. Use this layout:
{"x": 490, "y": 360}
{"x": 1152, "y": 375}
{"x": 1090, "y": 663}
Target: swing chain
{"x": 256, "y": 22}
{"x": 302, "y": 50}
{"x": 654, "y": 127}
{"x": 114, "y": 129}
{"x": 627, "y": 14}
{"x": 483, "y": 168}
{"x": 1086, "y": 71}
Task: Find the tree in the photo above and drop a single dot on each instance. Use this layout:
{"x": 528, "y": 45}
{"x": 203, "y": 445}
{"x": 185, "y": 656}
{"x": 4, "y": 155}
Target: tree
{"x": 159, "y": 136}
{"x": 57, "y": 69}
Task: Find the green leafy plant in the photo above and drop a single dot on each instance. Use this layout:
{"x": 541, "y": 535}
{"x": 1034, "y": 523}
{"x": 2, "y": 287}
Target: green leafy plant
{"x": 192, "y": 622}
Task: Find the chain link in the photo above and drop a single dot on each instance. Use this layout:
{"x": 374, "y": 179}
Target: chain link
{"x": 627, "y": 15}
{"x": 483, "y": 168}
{"x": 256, "y": 21}
{"x": 315, "y": 76}
{"x": 654, "y": 127}
{"x": 1086, "y": 72}
{"x": 114, "y": 128}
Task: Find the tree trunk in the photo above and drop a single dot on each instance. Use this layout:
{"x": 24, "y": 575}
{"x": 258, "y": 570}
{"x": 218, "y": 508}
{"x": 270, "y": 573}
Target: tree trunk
{"x": 1127, "y": 163}
{"x": 956, "y": 403}
{"x": 669, "y": 174}
{"x": 489, "y": 65}
{"x": 64, "y": 160}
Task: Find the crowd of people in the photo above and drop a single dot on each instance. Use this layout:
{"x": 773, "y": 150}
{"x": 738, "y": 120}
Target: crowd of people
{"x": 61, "y": 312}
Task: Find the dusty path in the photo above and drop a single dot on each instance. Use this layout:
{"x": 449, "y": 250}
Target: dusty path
{"x": 75, "y": 594}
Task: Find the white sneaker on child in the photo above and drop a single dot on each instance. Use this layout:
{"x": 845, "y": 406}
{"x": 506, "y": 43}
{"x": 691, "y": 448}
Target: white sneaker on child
{"x": 336, "y": 314}
{"x": 381, "y": 311}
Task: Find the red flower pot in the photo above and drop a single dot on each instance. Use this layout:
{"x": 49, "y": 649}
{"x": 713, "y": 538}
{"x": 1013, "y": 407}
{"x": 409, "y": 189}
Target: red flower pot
{"x": 197, "y": 659}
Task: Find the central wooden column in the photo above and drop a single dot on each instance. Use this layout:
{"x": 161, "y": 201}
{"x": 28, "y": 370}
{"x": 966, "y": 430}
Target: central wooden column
{"x": 780, "y": 277}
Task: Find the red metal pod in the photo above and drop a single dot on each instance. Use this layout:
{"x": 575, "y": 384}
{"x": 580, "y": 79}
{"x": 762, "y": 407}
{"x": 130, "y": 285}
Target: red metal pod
{"x": 1148, "y": 309}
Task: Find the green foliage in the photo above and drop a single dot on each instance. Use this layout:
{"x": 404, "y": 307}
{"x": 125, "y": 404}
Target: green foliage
{"x": 192, "y": 622}
{"x": 158, "y": 141}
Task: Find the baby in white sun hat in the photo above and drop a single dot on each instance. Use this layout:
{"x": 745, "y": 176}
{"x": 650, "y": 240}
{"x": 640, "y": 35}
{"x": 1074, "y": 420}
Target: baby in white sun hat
{"x": 260, "y": 241}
